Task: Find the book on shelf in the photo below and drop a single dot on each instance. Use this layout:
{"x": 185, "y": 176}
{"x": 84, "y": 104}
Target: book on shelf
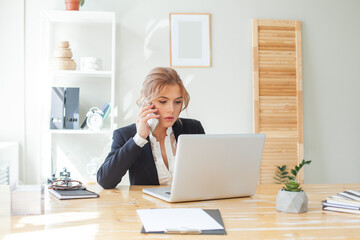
{"x": 347, "y": 201}
{"x": 106, "y": 110}
{"x": 73, "y": 194}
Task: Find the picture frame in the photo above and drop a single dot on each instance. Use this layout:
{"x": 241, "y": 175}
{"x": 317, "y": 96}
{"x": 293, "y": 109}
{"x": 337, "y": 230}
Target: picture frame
{"x": 190, "y": 41}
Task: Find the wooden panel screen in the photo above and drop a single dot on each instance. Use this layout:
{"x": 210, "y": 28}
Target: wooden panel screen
{"x": 277, "y": 73}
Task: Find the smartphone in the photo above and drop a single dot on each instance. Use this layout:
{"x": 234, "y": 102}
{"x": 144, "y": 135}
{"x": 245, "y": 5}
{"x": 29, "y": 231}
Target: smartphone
{"x": 152, "y": 122}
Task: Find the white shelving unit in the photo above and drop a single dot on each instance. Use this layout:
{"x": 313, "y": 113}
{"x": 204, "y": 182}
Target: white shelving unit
{"x": 90, "y": 34}
{"x": 64, "y": 73}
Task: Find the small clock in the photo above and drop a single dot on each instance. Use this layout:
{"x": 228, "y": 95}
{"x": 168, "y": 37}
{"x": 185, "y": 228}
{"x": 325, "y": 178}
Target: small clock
{"x": 94, "y": 118}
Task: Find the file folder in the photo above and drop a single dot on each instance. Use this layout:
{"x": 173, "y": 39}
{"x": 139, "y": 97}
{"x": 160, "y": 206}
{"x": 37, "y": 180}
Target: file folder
{"x": 214, "y": 213}
{"x": 57, "y": 108}
{"x": 71, "y": 105}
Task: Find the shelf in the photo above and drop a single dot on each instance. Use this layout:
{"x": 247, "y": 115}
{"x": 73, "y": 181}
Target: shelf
{"x": 79, "y": 131}
{"x": 80, "y": 16}
{"x": 69, "y": 73}
{"x": 87, "y": 32}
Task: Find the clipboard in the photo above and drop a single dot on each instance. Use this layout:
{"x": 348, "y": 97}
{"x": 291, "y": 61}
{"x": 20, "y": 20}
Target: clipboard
{"x": 214, "y": 213}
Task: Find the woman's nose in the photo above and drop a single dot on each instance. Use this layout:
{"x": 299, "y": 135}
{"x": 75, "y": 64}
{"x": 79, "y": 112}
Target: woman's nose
{"x": 171, "y": 107}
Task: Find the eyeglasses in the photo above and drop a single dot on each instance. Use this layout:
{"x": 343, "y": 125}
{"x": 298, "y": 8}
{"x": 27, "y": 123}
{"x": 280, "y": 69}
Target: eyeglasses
{"x": 66, "y": 185}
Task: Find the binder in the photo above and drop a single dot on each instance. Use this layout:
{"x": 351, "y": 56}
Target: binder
{"x": 214, "y": 213}
{"x": 57, "y": 108}
{"x": 71, "y": 105}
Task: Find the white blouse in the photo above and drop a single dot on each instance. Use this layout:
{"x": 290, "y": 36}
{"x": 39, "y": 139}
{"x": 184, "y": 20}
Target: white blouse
{"x": 165, "y": 175}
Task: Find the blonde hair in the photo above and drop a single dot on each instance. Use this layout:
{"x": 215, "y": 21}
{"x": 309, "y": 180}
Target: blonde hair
{"x": 156, "y": 81}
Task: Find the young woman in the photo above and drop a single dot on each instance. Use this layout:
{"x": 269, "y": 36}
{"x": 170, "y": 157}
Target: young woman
{"x": 149, "y": 155}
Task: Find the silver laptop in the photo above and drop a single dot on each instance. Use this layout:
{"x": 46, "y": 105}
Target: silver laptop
{"x": 213, "y": 166}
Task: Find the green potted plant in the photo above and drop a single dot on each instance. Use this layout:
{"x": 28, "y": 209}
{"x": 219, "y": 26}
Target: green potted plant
{"x": 73, "y": 5}
{"x": 291, "y": 198}
{"x": 281, "y": 174}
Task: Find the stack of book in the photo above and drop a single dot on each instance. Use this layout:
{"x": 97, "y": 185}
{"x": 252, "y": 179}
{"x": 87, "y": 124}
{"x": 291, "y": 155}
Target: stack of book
{"x": 27, "y": 199}
{"x": 347, "y": 201}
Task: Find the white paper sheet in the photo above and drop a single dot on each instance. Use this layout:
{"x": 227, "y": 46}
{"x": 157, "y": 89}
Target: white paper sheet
{"x": 157, "y": 220}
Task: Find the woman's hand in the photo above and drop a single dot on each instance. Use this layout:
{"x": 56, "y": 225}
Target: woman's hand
{"x": 142, "y": 128}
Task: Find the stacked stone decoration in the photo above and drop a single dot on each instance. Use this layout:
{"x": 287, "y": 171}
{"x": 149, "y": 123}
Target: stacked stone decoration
{"x": 62, "y": 57}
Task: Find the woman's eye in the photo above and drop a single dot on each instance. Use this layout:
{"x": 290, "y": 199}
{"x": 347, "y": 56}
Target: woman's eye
{"x": 162, "y": 102}
{"x": 178, "y": 102}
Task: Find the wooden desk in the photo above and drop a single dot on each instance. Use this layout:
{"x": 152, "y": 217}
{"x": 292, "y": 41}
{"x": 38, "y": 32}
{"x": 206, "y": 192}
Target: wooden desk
{"x": 113, "y": 216}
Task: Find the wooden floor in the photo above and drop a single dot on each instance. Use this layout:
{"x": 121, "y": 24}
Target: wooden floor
{"x": 113, "y": 216}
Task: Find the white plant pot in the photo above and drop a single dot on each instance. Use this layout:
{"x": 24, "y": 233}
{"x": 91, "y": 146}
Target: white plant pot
{"x": 291, "y": 202}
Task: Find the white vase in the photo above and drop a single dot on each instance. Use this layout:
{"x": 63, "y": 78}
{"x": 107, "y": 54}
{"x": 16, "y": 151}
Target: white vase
{"x": 291, "y": 202}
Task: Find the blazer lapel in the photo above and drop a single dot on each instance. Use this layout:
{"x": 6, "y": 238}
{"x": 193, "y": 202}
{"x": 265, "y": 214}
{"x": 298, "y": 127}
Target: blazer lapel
{"x": 150, "y": 167}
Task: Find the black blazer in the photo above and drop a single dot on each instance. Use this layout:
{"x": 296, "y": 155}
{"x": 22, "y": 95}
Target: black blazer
{"x": 126, "y": 155}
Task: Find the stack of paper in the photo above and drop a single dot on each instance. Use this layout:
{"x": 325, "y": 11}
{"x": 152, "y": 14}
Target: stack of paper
{"x": 347, "y": 201}
{"x": 27, "y": 199}
{"x": 191, "y": 220}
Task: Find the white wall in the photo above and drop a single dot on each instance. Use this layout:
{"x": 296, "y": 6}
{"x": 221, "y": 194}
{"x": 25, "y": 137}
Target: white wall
{"x": 12, "y": 117}
{"x": 221, "y": 96}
